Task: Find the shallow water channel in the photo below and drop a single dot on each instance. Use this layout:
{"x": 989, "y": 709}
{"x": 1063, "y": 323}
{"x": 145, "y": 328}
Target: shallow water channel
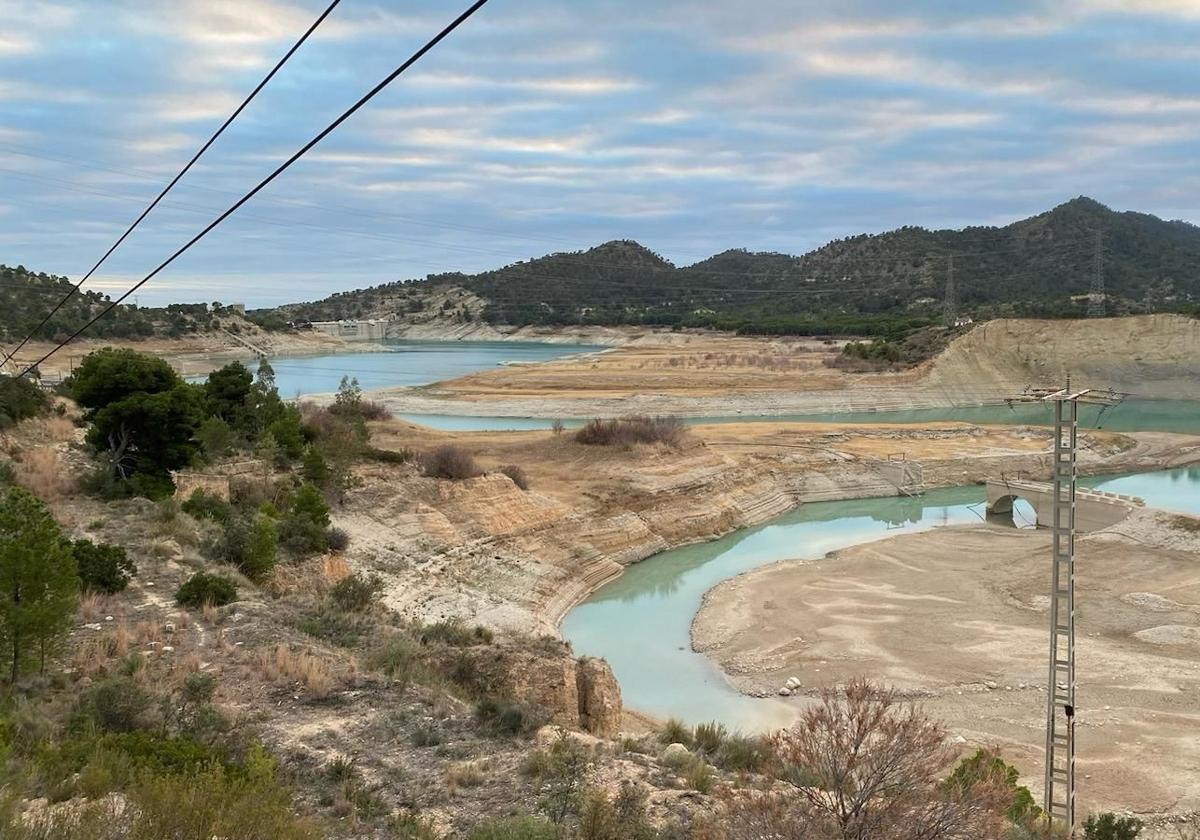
{"x": 640, "y": 622}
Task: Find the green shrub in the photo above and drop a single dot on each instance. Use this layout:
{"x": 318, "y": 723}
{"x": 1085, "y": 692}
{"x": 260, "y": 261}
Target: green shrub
{"x": 390, "y": 456}
{"x": 515, "y": 828}
{"x": 314, "y": 468}
{"x": 248, "y": 543}
{"x": 987, "y": 767}
{"x": 455, "y": 633}
{"x": 399, "y": 658}
{"x": 504, "y": 718}
{"x": 745, "y": 753}
{"x": 699, "y": 775}
{"x": 1109, "y": 826}
{"x": 102, "y": 567}
{"x": 7, "y": 475}
{"x": 675, "y": 731}
{"x": 305, "y": 529}
{"x": 708, "y": 737}
{"x": 340, "y": 628}
{"x": 202, "y": 505}
{"x": 356, "y": 591}
{"x": 203, "y": 588}
{"x": 215, "y": 438}
{"x": 115, "y": 704}
{"x": 19, "y": 399}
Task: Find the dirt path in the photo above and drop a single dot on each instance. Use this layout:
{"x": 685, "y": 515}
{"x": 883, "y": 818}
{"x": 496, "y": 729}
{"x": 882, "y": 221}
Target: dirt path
{"x": 956, "y": 617}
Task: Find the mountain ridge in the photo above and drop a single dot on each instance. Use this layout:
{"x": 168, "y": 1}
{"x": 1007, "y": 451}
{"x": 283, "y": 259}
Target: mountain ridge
{"x": 885, "y": 283}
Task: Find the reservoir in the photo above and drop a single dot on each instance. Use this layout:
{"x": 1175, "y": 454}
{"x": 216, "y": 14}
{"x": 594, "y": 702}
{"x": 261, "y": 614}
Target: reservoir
{"x": 641, "y": 621}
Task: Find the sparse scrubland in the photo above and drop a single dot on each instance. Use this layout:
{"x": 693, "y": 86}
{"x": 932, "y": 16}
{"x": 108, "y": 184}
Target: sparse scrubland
{"x": 232, "y": 627}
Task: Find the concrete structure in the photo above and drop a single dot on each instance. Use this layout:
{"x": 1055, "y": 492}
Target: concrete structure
{"x": 1094, "y": 509}
{"x": 374, "y": 329}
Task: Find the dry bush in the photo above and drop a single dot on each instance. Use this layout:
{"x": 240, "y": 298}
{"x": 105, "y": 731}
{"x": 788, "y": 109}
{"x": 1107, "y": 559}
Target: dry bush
{"x": 449, "y": 461}
{"x": 285, "y": 665}
{"x": 626, "y": 431}
{"x": 517, "y": 475}
{"x": 372, "y": 410}
{"x": 864, "y": 765}
{"x": 121, "y": 639}
{"x": 42, "y": 472}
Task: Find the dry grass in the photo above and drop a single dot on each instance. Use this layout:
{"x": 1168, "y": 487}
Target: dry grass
{"x": 150, "y": 630}
{"x": 121, "y": 639}
{"x": 93, "y": 606}
{"x": 466, "y": 775}
{"x": 58, "y": 429}
{"x": 287, "y": 666}
{"x": 42, "y": 472}
{"x": 314, "y": 578}
{"x": 92, "y": 656}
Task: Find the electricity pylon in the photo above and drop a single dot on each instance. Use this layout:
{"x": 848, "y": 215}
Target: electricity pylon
{"x": 949, "y": 300}
{"x": 1096, "y": 297}
{"x": 1059, "y": 797}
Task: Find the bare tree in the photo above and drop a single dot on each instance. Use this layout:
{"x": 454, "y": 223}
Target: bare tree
{"x": 863, "y": 766}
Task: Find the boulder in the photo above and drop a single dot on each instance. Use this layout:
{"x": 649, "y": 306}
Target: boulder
{"x": 673, "y": 753}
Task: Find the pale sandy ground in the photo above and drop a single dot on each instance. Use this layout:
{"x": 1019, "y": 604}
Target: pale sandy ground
{"x": 715, "y": 374}
{"x": 957, "y": 619}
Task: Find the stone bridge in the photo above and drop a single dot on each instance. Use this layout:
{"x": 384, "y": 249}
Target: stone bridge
{"x": 1094, "y": 509}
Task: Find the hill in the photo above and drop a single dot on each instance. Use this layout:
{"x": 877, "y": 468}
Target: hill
{"x": 26, "y": 297}
{"x": 887, "y": 283}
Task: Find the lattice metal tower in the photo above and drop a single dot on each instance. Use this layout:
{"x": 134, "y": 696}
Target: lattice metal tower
{"x": 1096, "y": 298}
{"x": 1059, "y": 799}
{"x": 949, "y": 302}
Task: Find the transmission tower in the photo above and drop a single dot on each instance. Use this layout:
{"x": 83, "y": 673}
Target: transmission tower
{"x": 1059, "y": 797}
{"x": 949, "y": 304}
{"x": 1096, "y": 298}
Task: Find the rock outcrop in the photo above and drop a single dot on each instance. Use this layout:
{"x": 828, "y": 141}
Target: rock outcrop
{"x": 599, "y": 697}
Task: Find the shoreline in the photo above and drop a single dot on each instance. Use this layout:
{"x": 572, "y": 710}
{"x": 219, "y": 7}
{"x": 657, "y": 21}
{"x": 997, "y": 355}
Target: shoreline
{"x": 557, "y": 617}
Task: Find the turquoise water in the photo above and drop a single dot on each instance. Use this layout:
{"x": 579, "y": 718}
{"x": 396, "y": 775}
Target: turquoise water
{"x": 408, "y": 363}
{"x": 1130, "y": 416}
{"x": 640, "y": 622}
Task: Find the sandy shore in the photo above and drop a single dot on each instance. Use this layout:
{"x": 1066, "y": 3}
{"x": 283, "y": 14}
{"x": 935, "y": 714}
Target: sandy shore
{"x": 717, "y": 374}
{"x": 956, "y": 618}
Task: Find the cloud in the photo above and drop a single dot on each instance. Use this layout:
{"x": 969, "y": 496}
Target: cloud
{"x": 695, "y": 125}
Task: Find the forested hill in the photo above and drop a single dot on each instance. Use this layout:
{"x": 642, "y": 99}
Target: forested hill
{"x": 1041, "y": 266}
{"x": 26, "y": 297}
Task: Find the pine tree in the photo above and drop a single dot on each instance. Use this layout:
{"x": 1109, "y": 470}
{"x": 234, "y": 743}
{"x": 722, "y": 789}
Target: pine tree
{"x": 39, "y": 582}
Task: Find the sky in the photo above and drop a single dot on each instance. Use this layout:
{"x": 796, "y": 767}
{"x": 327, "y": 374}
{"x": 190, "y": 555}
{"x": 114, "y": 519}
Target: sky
{"x": 541, "y": 126}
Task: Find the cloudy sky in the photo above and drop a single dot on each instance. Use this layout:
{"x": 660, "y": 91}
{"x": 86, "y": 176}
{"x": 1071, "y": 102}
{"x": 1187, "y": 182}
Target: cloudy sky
{"x": 547, "y": 125}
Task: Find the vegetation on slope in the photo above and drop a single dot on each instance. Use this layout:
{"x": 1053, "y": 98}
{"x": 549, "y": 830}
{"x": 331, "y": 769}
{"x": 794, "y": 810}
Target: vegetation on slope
{"x": 885, "y": 285}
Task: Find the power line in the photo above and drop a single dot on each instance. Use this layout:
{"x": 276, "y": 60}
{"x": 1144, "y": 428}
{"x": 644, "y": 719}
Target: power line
{"x": 228, "y": 121}
{"x": 367, "y": 97}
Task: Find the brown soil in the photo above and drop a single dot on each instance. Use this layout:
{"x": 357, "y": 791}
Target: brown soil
{"x": 957, "y": 618}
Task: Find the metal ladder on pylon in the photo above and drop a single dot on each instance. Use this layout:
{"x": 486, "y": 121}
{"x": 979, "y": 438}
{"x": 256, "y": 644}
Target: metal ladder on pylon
{"x": 1060, "y": 703}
